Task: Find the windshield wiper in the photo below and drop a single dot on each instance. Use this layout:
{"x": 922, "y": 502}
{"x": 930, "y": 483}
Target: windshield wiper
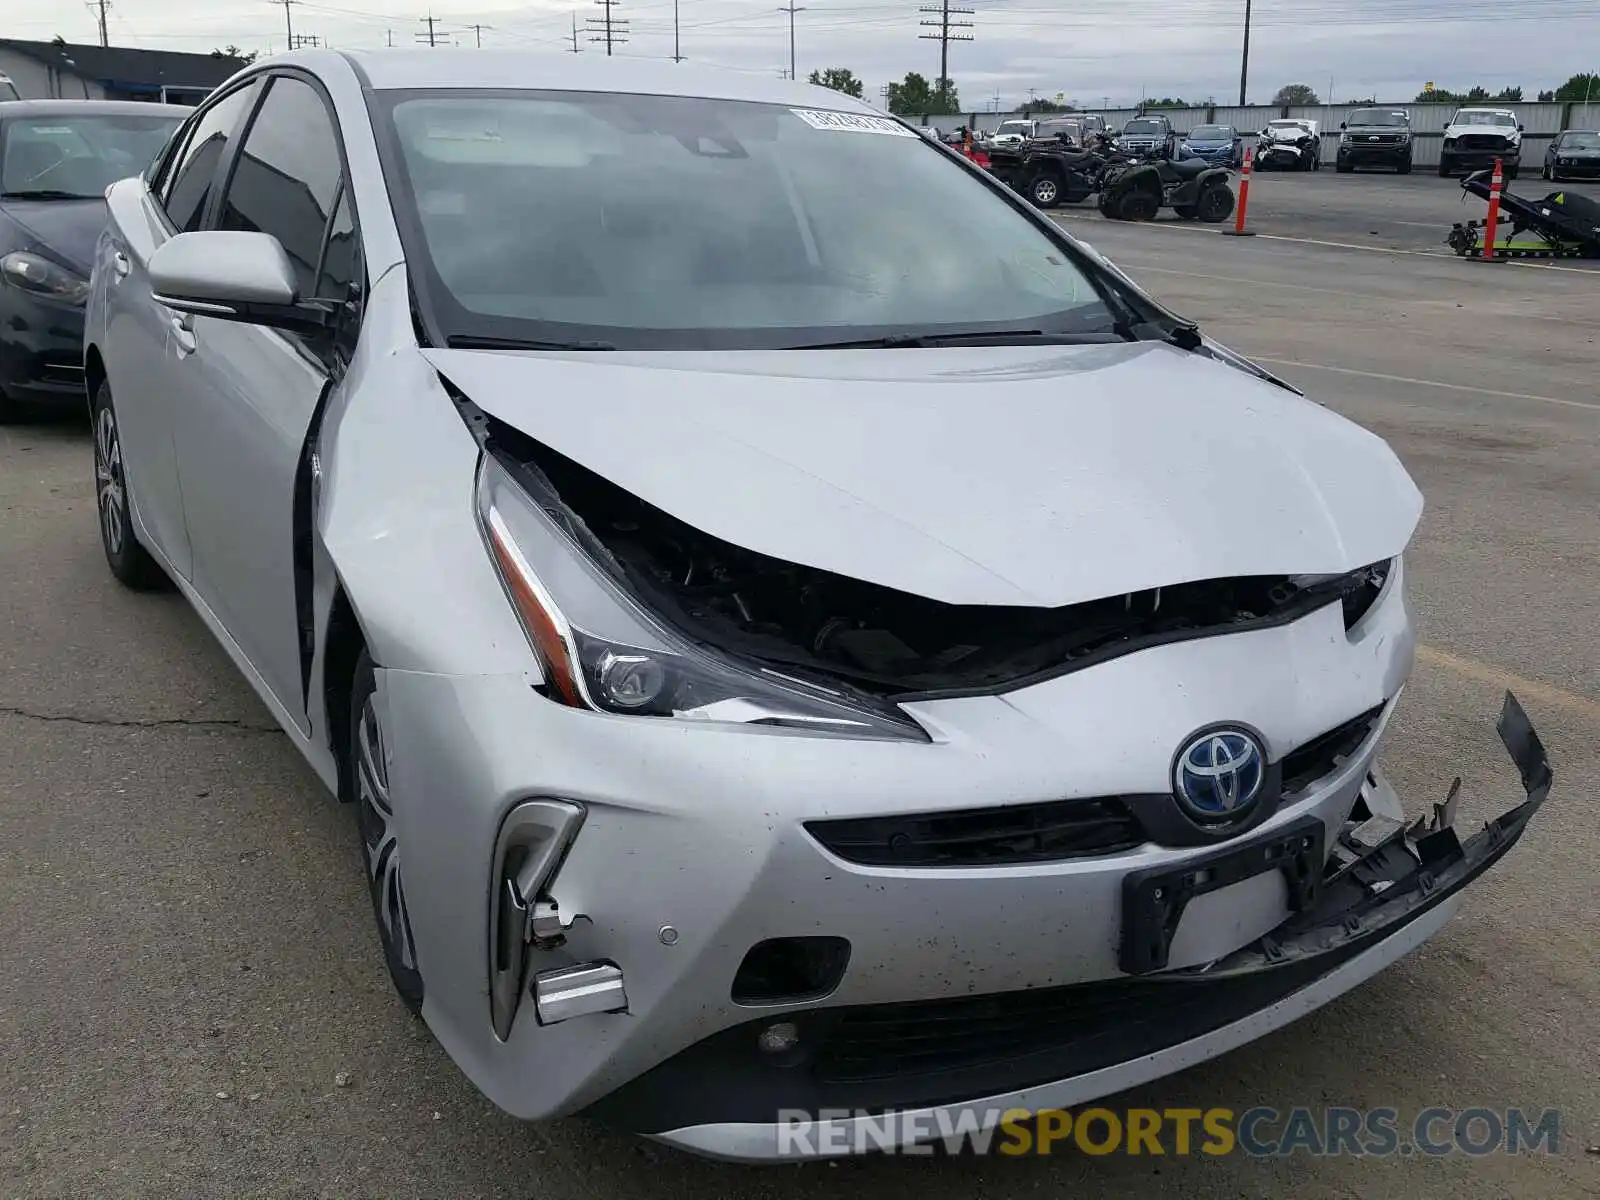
{"x": 46, "y": 194}
{"x": 978, "y": 337}
{"x": 474, "y": 342}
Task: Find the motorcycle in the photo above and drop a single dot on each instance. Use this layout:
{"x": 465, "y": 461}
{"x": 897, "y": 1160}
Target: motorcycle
{"x": 1191, "y": 187}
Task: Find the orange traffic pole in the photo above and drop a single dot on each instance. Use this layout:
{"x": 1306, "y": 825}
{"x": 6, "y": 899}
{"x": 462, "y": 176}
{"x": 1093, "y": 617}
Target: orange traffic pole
{"x": 1238, "y": 229}
{"x": 1496, "y": 181}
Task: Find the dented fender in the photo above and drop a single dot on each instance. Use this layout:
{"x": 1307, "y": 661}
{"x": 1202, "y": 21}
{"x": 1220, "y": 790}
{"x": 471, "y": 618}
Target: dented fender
{"x": 393, "y": 513}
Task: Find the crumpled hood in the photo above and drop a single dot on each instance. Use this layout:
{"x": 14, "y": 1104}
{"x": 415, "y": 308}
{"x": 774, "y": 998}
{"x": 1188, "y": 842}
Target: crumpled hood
{"x": 67, "y": 228}
{"x": 1040, "y": 476}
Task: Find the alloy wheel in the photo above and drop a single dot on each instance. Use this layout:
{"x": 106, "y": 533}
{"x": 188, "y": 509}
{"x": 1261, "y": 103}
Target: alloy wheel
{"x": 111, "y": 495}
{"x": 380, "y": 839}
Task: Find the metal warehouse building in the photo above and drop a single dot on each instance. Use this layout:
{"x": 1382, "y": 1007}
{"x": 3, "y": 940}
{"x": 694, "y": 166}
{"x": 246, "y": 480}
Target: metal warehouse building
{"x": 69, "y": 71}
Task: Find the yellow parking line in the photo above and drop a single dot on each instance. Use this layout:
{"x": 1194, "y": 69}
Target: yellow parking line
{"x": 1498, "y": 677}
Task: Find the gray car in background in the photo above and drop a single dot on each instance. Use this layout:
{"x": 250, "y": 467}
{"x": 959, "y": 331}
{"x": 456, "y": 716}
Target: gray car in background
{"x": 774, "y": 660}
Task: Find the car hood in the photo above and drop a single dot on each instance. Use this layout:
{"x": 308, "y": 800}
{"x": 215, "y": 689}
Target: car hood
{"x": 67, "y": 228}
{"x": 996, "y": 475}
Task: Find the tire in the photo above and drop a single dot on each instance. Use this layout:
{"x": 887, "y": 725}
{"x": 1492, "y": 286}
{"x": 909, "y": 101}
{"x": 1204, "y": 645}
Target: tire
{"x": 1545, "y": 173}
{"x": 1215, "y": 205}
{"x": 1404, "y": 168}
{"x": 1139, "y": 205}
{"x": 1511, "y": 171}
{"x": 130, "y": 562}
{"x": 1315, "y": 164}
{"x": 1444, "y": 169}
{"x": 10, "y": 412}
{"x": 1186, "y": 212}
{"x": 1342, "y": 167}
{"x": 366, "y": 784}
{"x": 1045, "y": 191}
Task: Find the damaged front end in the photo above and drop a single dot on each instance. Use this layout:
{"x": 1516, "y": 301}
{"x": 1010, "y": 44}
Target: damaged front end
{"x": 853, "y": 643}
{"x": 1381, "y": 872}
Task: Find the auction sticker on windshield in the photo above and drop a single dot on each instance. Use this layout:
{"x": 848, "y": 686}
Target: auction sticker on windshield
{"x": 852, "y": 122}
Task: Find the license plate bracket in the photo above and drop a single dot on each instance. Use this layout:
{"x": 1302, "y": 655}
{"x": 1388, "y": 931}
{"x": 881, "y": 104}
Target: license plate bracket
{"x": 1153, "y": 900}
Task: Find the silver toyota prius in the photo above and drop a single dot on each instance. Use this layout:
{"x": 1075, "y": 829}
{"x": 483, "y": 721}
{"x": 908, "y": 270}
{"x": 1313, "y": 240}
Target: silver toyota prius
{"x": 778, "y": 663}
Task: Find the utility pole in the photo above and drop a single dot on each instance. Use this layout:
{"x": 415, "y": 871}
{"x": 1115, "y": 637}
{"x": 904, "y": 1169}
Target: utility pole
{"x": 478, "y": 33}
{"x": 676, "y": 56}
{"x": 791, "y": 10}
{"x": 103, "y": 7}
{"x": 944, "y": 37}
{"x": 301, "y": 40}
{"x": 610, "y": 30}
{"x": 575, "y": 31}
{"x": 1244, "y": 62}
{"x": 431, "y": 37}
{"x": 288, "y": 19}
{"x": 389, "y": 33}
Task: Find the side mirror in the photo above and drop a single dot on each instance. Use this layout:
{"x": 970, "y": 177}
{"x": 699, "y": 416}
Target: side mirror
{"x": 233, "y": 276}
{"x": 1519, "y": 128}
{"x": 1342, "y": 125}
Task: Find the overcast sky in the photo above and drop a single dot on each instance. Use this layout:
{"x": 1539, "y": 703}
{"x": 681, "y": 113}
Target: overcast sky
{"x": 1090, "y": 50}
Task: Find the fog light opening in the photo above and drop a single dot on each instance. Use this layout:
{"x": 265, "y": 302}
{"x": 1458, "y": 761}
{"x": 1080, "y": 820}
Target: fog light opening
{"x": 791, "y": 970}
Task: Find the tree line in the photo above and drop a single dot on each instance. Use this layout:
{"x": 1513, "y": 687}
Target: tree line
{"x": 916, "y": 94}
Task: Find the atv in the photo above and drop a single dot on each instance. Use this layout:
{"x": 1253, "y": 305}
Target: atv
{"x": 1191, "y": 187}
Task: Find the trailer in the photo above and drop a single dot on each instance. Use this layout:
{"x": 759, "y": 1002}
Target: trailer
{"x": 1562, "y": 225}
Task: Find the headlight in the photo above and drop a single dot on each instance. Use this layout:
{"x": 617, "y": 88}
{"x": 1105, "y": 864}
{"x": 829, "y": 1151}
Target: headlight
{"x": 1450, "y": 141}
{"x": 42, "y": 277}
{"x": 602, "y": 650}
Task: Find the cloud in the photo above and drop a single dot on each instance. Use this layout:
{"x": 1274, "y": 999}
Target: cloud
{"x": 1094, "y": 51}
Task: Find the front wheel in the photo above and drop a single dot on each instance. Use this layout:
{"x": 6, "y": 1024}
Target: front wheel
{"x": 1511, "y": 171}
{"x": 1045, "y": 191}
{"x": 1404, "y": 168}
{"x": 1343, "y": 167}
{"x": 1139, "y": 205}
{"x": 1314, "y": 165}
{"x": 130, "y": 562}
{"x": 1215, "y": 205}
{"x": 1444, "y": 169}
{"x": 1546, "y": 174}
{"x": 367, "y": 778}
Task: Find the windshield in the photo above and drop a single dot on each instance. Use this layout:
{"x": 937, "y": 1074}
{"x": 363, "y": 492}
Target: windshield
{"x": 1137, "y": 126}
{"x": 1015, "y": 126}
{"x": 78, "y": 156}
{"x": 1289, "y": 126}
{"x": 1580, "y": 141}
{"x": 663, "y": 222}
{"x": 1377, "y": 116}
{"x": 1484, "y": 118}
{"x": 1211, "y": 133}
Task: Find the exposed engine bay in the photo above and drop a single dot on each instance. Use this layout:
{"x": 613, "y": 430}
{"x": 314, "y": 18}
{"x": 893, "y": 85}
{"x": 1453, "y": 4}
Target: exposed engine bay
{"x": 877, "y": 639}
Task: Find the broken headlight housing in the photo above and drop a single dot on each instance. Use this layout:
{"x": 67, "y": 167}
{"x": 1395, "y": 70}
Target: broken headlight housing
{"x": 603, "y": 650}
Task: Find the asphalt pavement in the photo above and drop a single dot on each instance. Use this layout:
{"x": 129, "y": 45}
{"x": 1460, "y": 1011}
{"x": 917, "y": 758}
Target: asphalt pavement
{"x": 191, "y": 997}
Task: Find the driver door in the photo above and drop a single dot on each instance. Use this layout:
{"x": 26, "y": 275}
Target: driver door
{"x": 249, "y": 394}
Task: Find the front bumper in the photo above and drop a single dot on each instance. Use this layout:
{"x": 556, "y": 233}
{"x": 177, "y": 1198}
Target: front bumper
{"x": 1477, "y": 159}
{"x": 1369, "y": 154}
{"x": 1386, "y": 890}
{"x": 1581, "y": 168}
{"x": 41, "y": 349}
{"x": 1275, "y": 154}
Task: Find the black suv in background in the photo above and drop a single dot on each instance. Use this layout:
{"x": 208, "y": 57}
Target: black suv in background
{"x": 1375, "y": 137}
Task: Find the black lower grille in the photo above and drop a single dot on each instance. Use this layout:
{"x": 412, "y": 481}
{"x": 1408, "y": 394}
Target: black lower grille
{"x": 1017, "y": 833}
{"x": 1310, "y": 762}
{"x": 1481, "y": 141}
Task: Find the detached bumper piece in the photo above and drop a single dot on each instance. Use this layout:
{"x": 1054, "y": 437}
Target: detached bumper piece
{"x": 1379, "y": 876}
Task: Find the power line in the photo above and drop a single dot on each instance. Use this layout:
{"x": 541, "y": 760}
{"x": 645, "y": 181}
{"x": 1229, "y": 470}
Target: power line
{"x": 608, "y": 29}
{"x": 791, "y": 10}
{"x": 944, "y": 37}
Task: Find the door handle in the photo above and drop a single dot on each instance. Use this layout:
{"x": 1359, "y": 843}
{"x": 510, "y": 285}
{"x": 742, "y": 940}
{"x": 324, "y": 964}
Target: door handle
{"x": 120, "y": 264}
{"x": 183, "y": 335}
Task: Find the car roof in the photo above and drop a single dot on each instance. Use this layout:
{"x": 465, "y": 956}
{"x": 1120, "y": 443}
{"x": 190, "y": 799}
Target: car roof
{"x": 70, "y": 108}
{"x": 388, "y": 70}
